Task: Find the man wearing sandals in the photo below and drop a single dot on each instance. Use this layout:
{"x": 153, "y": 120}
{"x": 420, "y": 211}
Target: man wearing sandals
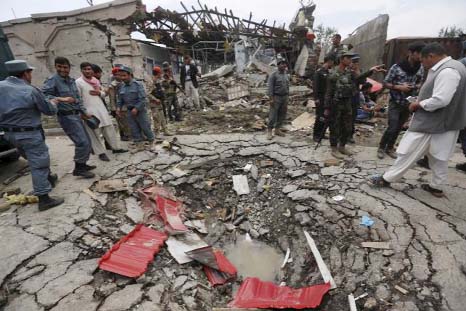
{"x": 439, "y": 115}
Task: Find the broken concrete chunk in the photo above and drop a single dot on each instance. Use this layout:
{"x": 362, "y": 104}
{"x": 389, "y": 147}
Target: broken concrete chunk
{"x": 289, "y": 188}
{"x": 240, "y": 184}
{"x": 133, "y": 210}
{"x": 376, "y": 245}
{"x": 296, "y": 173}
{"x": 332, "y": 170}
{"x": 111, "y": 185}
{"x": 124, "y": 299}
{"x": 304, "y": 120}
{"x": 300, "y": 195}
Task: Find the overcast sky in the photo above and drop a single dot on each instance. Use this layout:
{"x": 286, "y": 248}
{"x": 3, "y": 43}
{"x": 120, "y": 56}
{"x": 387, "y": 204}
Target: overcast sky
{"x": 407, "y": 17}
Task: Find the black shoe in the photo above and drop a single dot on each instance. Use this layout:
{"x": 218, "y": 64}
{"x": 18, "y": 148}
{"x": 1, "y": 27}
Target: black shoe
{"x": 124, "y": 138}
{"x": 424, "y": 162}
{"x": 104, "y": 157}
{"x": 81, "y": 170}
{"x": 46, "y": 202}
{"x": 351, "y": 140}
{"x": 461, "y": 167}
{"x": 120, "y": 151}
{"x": 89, "y": 167}
{"x": 53, "y": 178}
{"x": 107, "y": 145}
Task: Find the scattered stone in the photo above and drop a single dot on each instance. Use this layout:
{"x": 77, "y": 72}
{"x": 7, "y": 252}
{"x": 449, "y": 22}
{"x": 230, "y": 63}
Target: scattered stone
{"x": 302, "y": 218}
{"x": 126, "y": 228}
{"x": 289, "y": 188}
{"x": 370, "y": 304}
{"x": 331, "y": 171}
{"x": 296, "y": 173}
{"x": 133, "y": 210}
{"x": 179, "y": 281}
{"x": 190, "y": 302}
{"x": 26, "y": 273}
{"x": 155, "y": 293}
{"x": 24, "y": 302}
{"x": 331, "y": 162}
{"x": 106, "y": 289}
{"x": 82, "y": 298}
{"x": 123, "y": 299}
{"x": 382, "y": 292}
{"x": 302, "y": 208}
{"x": 300, "y": 195}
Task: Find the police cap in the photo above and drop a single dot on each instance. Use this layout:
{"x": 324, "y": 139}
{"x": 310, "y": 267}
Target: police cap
{"x": 14, "y": 66}
{"x": 125, "y": 69}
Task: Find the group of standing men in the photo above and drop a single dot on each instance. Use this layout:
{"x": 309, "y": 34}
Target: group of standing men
{"x": 83, "y": 115}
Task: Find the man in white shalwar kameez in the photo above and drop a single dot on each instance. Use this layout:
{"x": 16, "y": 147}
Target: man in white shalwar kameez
{"x": 439, "y": 115}
{"x": 91, "y": 92}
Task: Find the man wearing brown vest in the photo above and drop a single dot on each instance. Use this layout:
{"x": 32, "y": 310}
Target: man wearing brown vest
{"x": 439, "y": 115}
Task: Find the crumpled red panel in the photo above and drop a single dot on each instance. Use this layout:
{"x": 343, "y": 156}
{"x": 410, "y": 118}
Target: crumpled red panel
{"x": 170, "y": 212}
{"x": 131, "y": 255}
{"x": 255, "y": 293}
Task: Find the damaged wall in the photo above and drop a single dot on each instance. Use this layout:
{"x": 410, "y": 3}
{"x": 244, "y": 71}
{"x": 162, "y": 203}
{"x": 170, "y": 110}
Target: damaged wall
{"x": 99, "y": 34}
{"x": 368, "y": 41}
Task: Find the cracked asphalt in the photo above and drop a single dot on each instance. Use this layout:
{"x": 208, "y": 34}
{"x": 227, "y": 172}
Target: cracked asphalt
{"x": 48, "y": 260}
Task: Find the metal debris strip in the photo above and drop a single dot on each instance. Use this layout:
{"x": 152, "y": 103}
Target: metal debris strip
{"x": 352, "y": 303}
{"x": 179, "y": 245}
{"x": 326, "y": 275}
{"x": 254, "y": 293}
{"x": 131, "y": 255}
{"x": 170, "y": 213}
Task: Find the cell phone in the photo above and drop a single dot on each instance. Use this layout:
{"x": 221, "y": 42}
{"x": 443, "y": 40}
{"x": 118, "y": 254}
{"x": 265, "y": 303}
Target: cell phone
{"x": 411, "y": 99}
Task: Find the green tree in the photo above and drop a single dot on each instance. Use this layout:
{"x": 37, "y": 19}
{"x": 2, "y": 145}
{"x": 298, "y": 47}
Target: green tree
{"x": 451, "y": 32}
{"x": 324, "y": 35}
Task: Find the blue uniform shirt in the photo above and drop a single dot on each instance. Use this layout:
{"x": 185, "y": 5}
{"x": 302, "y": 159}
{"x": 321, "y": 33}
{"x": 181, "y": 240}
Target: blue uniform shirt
{"x": 132, "y": 95}
{"x": 22, "y": 104}
{"x": 57, "y": 86}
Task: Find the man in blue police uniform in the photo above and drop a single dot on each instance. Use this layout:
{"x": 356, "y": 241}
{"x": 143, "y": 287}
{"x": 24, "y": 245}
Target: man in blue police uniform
{"x": 70, "y": 111}
{"x": 133, "y": 96}
{"x": 20, "y": 111}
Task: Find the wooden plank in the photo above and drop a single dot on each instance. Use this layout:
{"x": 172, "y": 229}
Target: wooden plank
{"x": 352, "y": 303}
{"x": 326, "y": 275}
{"x": 376, "y": 245}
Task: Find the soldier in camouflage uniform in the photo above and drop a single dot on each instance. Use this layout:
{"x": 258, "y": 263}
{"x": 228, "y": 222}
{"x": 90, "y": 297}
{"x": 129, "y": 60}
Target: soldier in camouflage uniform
{"x": 122, "y": 121}
{"x": 338, "y": 106}
{"x": 156, "y": 101}
{"x": 170, "y": 86}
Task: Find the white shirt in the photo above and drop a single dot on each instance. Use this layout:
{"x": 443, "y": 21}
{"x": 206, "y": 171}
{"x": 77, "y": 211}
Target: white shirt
{"x": 442, "y": 145}
{"x": 93, "y": 104}
{"x": 188, "y": 72}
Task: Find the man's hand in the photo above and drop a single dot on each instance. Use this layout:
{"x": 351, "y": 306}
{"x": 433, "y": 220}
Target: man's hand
{"x": 94, "y": 93}
{"x": 414, "y": 106}
{"x": 134, "y": 112}
{"x": 405, "y": 88}
{"x": 66, "y": 100}
{"x": 86, "y": 116}
{"x": 54, "y": 101}
{"x": 378, "y": 68}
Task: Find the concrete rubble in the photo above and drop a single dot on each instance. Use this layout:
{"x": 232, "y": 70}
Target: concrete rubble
{"x": 57, "y": 267}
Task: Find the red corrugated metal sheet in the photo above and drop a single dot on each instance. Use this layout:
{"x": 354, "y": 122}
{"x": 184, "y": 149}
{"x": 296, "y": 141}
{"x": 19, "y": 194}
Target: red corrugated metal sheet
{"x": 224, "y": 265}
{"x": 216, "y": 277}
{"x": 217, "y": 267}
{"x": 170, "y": 212}
{"x": 254, "y": 293}
{"x": 131, "y": 255}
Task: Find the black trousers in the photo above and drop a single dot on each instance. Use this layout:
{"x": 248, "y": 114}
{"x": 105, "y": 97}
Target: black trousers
{"x": 397, "y": 116}
{"x": 319, "y": 124}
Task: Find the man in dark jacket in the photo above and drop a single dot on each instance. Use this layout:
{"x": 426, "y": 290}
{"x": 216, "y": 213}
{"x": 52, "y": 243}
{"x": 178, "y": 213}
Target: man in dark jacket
{"x": 320, "y": 86}
{"x": 188, "y": 78}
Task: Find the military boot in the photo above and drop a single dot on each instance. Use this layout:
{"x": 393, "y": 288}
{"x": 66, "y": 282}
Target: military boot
{"x": 82, "y": 170}
{"x": 336, "y": 154}
{"x": 343, "y": 150}
{"x": 269, "y": 134}
{"x": 46, "y": 202}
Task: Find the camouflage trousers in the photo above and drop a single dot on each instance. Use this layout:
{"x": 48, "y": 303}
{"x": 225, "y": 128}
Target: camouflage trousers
{"x": 341, "y": 122}
{"x": 123, "y": 126}
{"x": 160, "y": 123}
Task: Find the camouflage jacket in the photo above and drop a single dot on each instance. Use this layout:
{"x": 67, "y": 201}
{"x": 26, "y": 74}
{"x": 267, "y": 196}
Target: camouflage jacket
{"x": 342, "y": 85}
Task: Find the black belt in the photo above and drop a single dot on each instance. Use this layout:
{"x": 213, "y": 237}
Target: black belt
{"x": 21, "y": 129}
{"x": 68, "y": 113}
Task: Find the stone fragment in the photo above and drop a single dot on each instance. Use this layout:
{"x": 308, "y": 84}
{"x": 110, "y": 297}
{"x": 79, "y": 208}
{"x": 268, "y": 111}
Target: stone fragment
{"x": 300, "y": 195}
{"x": 25, "y": 273}
{"x": 133, "y": 210}
{"x": 289, "y": 188}
{"x": 382, "y": 292}
{"x": 302, "y": 218}
{"x": 123, "y": 299}
{"x": 331, "y": 171}
{"x": 190, "y": 302}
{"x": 331, "y": 162}
{"x": 155, "y": 293}
{"x": 179, "y": 281}
{"x": 370, "y": 304}
{"x": 296, "y": 173}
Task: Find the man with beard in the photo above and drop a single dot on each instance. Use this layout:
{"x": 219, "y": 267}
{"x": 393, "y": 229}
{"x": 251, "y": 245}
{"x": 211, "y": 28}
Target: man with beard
{"x": 439, "y": 115}
{"x": 403, "y": 80}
